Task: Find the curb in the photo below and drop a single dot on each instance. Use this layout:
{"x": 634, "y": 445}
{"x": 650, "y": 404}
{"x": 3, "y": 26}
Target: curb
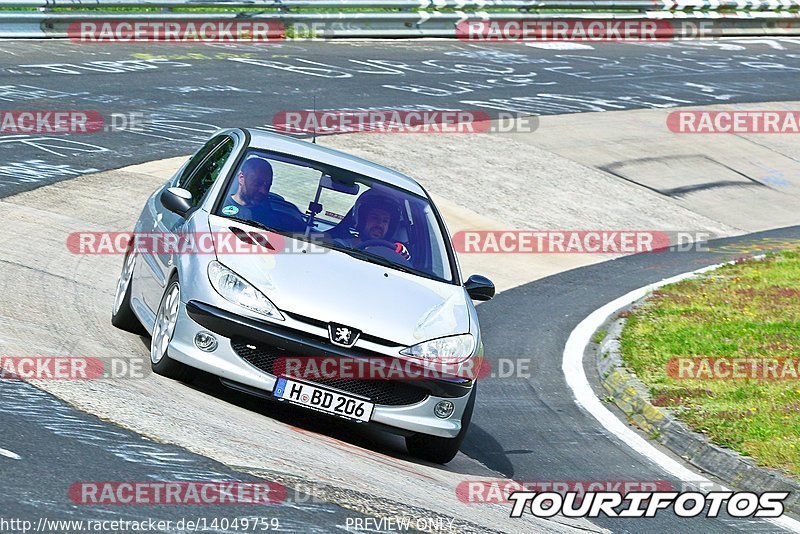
{"x": 632, "y": 397}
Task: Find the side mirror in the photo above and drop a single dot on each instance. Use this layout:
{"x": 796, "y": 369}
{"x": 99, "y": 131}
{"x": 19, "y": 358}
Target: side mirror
{"x": 177, "y": 200}
{"x": 479, "y": 287}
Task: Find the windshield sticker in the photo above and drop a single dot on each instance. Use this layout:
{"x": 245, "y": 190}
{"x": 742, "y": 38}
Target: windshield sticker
{"x": 334, "y": 215}
{"x": 230, "y": 210}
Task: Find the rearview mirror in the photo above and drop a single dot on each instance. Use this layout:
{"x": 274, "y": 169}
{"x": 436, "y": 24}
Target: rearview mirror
{"x": 479, "y": 287}
{"x": 329, "y": 183}
{"x": 177, "y": 200}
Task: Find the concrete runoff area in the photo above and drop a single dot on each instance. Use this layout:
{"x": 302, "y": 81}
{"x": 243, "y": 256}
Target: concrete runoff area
{"x": 58, "y": 303}
{"x": 750, "y": 182}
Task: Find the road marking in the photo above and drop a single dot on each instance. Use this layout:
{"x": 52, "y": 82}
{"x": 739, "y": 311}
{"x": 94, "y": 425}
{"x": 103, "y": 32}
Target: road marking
{"x": 560, "y": 45}
{"x": 9, "y": 454}
{"x": 575, "y": 375}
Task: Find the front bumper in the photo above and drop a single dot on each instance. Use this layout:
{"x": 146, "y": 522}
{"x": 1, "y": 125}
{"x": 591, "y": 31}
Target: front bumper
{"x": 234, "y": 331}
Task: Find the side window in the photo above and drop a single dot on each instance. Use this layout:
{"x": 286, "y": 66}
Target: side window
{"x": 197, "y": 159}
{"x": 203, "y": 176}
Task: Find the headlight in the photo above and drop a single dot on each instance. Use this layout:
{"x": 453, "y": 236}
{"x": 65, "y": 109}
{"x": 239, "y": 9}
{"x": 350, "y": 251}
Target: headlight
{"x": 236, "y": 289}
{"x": 451, "y": 349}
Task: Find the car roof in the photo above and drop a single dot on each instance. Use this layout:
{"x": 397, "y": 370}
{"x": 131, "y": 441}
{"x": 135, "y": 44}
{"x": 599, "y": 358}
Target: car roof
{"x": 328, "y": 156}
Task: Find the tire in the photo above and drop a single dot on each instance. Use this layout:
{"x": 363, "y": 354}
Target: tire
{"x": 440, "y": 450}
{"x": 122, "y": 315}
{"x": 163, "y": 330}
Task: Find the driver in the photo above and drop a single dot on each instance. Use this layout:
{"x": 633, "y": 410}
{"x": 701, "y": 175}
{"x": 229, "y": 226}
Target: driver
{"x": 376, "y": 218}
{"x": 254, "y": 181}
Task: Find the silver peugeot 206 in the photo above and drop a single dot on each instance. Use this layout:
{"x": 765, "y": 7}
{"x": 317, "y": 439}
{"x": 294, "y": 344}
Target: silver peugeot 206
{"x": 311, "y": 277}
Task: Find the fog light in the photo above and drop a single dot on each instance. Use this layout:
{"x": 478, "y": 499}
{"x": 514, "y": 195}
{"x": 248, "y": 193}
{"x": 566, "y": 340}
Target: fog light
{"x": 443, "y": 409}
{"x": 205, "y": 341}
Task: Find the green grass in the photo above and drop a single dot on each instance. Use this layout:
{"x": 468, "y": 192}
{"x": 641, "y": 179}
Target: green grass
{"x": 751, "y": 310}
{"x": 599, "y": 336}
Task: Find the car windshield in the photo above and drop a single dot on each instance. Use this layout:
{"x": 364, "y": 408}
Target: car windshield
{"x": 355, "y": 214}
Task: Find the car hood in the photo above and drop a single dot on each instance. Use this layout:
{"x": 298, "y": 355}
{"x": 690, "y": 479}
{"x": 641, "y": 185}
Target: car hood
{"x": 330, "y": 286}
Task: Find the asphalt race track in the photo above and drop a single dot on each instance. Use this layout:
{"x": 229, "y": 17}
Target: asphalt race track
{"x": 71, "y": 445}
{"x": 525, "y": 429}
{"x": 182, "y": 93}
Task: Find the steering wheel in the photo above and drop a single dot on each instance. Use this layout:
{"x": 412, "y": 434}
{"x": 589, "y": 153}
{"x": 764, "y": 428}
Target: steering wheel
{"x": 376, "y": 243}
{"x": 394, "y": 255}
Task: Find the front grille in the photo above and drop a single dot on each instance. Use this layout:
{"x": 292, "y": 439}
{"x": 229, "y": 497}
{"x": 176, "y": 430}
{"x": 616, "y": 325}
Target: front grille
{"x": 385, "y": 392}
{"x": 322, "y": 324}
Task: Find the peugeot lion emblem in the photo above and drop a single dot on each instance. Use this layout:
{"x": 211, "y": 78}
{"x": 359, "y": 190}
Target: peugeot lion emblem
{"x": 342, "y": 335}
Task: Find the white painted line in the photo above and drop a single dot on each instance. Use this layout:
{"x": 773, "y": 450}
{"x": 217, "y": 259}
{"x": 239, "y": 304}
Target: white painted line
{"x": 9, "y": 454}
{"x": 560, "y": 45}
{"x": 572, "y": 366}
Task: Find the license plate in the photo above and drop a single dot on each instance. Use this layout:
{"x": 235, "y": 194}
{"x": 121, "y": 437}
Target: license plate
{"x": 323, "y": 400}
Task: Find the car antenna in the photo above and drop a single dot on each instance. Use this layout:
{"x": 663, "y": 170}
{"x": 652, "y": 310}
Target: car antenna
{"x": 314, "y": 133}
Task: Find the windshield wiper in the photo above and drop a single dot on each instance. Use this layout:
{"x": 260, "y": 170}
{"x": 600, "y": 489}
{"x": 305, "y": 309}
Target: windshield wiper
{"x": 253, "y": 223}
{"x": 374, "y": 258}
